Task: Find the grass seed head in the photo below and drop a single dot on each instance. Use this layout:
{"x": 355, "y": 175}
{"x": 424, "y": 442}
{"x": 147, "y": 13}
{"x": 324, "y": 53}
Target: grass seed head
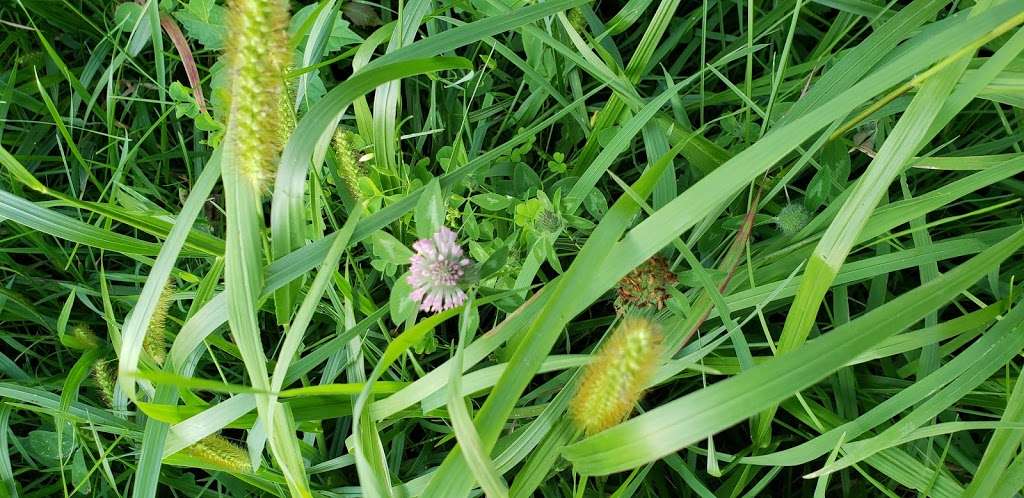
{"x": 105, "y": 376}
{"x": 155, "y": 343}
{"x": 80, "y": 336}
{"x": 614, "y": 381}
{"x": 218, "y": 451}
{"x": 348, "y": 161}
{"x": 257, "y": 55}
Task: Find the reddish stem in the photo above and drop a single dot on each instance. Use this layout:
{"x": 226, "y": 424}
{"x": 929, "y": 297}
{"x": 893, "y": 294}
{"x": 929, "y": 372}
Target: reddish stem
{"x": 170, "y": 26}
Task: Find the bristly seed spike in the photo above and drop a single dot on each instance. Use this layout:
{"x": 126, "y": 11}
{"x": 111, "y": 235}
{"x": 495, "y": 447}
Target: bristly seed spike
{"x": 615, "y": 379}
{"x": 257, "y": 55}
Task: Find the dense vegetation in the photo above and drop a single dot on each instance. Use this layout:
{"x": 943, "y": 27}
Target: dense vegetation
{"x": 554, "y": 248}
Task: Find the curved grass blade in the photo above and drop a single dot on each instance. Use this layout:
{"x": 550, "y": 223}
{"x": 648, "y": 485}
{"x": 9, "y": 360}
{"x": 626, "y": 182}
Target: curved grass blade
{"x": 692, "y": 418}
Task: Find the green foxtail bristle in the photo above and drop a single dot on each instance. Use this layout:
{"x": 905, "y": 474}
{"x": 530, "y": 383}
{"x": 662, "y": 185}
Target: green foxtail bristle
{"x": 80, "y": 336}
{"x": 347, "y": 157}
{"x": 155, "y": 343}
{"x": 287, "y": 113}
{"x": 105, "y": 375}
{"x": 257, "y": 54}
{"x": 792, "y": 218}
{"x": 576, "y": 20}
{"x": 615, "y": 379}
{"x": 218, "y": 451}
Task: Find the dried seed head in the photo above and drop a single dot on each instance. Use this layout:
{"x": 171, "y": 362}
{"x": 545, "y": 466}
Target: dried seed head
{"x": 646, "y": 286}
{"x": 615, "y": 379}
{"x": 154, "y": 343}
{"x": 218, "y": 451}
{"x": 257, "y": 54}
{"x": 792, "y": 218}
{"x": 348, "y": 161}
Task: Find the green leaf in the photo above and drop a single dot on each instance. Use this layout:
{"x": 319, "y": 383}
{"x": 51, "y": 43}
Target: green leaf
{"x": 491, "y": 201}
{"x": 341, "y": 35}
{"x": 51, "y": 447}
{"x": 127, "y": 15}
{"x": 402, "y": 308}
{"x": 205, "y": 21}
{"x": 389, "y": 249}
{"x": 430, "y": 210}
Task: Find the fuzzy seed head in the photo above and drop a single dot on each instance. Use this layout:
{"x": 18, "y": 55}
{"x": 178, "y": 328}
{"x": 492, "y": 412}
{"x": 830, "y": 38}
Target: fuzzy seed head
{"x": 218, "y": 451}
{"x": 615, "y": 379}
{"x": 80, "y": 336}
{"x": 287, "y": 113}
{"x": 348, "y": 161}
{"x": 155, "y": 343}
{"x": 646, "y": 286}
{"x": 576, "y": 20}
{"x": 438, "y": 271}
{"x": 105, "y": 375}
{"x": 257, "y": 55}
{"x": 792, "y": 218}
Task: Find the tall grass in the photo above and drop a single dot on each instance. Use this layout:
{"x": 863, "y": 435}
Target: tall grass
{"x": 715, "y": 248}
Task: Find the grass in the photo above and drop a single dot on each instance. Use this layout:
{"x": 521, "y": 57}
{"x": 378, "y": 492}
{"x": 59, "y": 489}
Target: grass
{"x": 866, "y": 345}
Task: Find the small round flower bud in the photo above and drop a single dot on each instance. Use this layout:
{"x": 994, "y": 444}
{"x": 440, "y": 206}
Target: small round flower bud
{"x": 792, "y": 218}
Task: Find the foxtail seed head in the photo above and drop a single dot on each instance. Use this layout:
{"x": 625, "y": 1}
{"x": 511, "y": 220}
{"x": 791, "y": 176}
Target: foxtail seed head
{"x": 576, "y": 19}
{"x": 257, "y": 55}
{"x": 154, "y": 343}
{"x": 105, "y": 376}
{"x": 614, "y": 381}
{"x": 287, "y": 114}
{"x": 348, "y": 165}
{"x": 80, "y": 336}
{"x": 218, "y": 451}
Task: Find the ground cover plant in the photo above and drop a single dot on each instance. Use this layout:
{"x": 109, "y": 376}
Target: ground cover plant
{"x": 555, "y": 248}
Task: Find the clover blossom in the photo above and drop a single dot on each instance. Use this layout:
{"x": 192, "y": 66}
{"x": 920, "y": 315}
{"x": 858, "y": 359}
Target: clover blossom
{"x": 438, "y": 270}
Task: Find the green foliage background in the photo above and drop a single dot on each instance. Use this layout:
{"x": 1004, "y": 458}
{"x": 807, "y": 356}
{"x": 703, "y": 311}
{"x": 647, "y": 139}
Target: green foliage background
{"x": 864, "y": 343}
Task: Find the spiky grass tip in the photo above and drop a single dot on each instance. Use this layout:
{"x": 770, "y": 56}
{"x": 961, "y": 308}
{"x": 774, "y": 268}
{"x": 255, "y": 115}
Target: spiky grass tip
{"x": 792, "y": 218}
{"x": 105, "y": 376}
{"x": 576, "y": 20}
{"x": 348, "y": 161}
{"x": 80, "y": 336}
{"x": 614, "y": 381}
{"x": 217, "y": 451}
{"x": 155, "y": 343}
{"x": 257, "y": 55}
